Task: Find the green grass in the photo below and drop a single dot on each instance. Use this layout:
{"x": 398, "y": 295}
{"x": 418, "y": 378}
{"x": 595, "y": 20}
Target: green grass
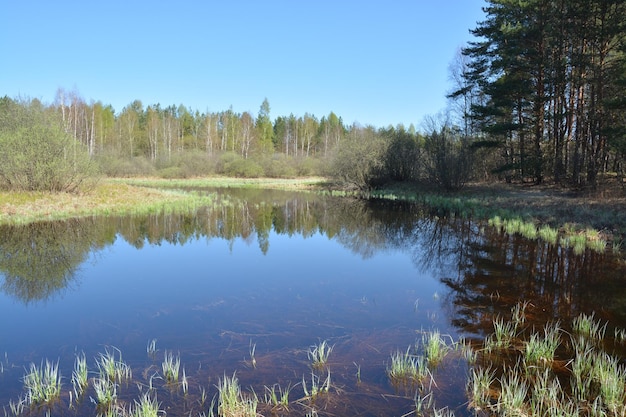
{"x": 586, "y": 326}
{"x": 318, "y": 354}
{"x": 80, "y": 377}
{"x": 113, "y": 368}
{"x": 406, "y": 368}
{"x": 171, "y": 367}
{"x": 42, "y": 383}
{"x": 435, "y": 347}
{"x": 540, "y": 349}
{"x": 232, "y": 402}
{"x": 277, "y": 397}
{"x": 317, "y": 387}
{"x": 105, "y": 391}
{"x": 147, "y": 406}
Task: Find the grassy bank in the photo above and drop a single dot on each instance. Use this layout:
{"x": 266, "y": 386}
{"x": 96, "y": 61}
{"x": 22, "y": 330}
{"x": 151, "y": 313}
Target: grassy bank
{"x": 532, "y": 211}
{"x": 108, "y": 198}
{"x": 305, "y": 183}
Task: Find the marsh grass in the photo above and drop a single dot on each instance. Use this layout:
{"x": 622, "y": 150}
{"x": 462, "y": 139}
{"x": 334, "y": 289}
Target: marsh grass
{"x": 540, "y": 349}
{"x": 80, "y": 377}
{"x": 113, "y": 368}
{"x": 171, "y": 367}
{"x": 110, "y": 197}
{"x": 317, "y": 387}
{"x": 277, "y": 397}
{"x": 318, "y": 354}
{"x": 105, "y": 391}
{"x": 42, "y": 383}
{"x": 435, "y": 347}
{"x": 407, "y": 369}
{"x": 530, "y": 383}
{"x": 586, "y": 326}
{"x": 232, "y": 402}
{"x": 252, "y": 350}
{"x": 504, "y": 333}
{"x": 151, "y": 348}
{"x": 147, "y": 406}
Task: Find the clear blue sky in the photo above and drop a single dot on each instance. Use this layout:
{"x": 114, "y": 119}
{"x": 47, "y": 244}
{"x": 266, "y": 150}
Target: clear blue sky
{"x": 374, "y": 62}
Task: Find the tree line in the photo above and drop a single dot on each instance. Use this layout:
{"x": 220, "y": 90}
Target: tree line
{"x": 544, "y": 85}
{"x": 540, "y": 94}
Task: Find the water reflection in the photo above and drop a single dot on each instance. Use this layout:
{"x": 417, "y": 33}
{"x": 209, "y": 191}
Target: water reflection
{"x": 41, "y": 259}
{"x": 271, "y": 268}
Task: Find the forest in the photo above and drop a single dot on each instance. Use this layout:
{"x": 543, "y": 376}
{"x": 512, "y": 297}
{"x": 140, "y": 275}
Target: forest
{"x": 540, "y": 95}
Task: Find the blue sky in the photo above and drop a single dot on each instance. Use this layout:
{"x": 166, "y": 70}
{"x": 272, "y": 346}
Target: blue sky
{"x": 372, "y": 62}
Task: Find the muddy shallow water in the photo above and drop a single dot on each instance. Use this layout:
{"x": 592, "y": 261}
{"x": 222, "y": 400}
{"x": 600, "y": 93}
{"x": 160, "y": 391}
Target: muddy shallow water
{"x": 280, "y": 272}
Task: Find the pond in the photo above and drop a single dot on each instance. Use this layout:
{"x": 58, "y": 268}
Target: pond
{"x": 251, "y": 285}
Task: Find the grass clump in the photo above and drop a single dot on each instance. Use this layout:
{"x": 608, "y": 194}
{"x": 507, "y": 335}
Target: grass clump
{"x": 407, "y": 368}
{"x": 80, "y": 378}
{"x": 105, "y": 391}
{"x": 113, "y": 368}
{"x": 232, "y": 402}
{"x": 318, "y": 354}
{"x": 435, "y": 347}
{"x": 171, "y": 367}
{"x": 317, "y": 386}
{"x": 540, "y": 349}
{"x": 277, "y": 397}
{"x": 42, "y": 383}
{"x": 147, "y": 406}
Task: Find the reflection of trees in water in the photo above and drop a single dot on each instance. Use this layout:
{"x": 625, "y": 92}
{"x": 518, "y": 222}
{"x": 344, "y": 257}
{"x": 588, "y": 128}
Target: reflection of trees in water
{"x": 504, "y": 270}
{"x": 487, "y": 272}
{"x": 38, "y": 260}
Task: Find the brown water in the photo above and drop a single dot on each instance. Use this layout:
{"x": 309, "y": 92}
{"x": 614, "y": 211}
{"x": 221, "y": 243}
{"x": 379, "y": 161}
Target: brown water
{"x": 280, "y": 271}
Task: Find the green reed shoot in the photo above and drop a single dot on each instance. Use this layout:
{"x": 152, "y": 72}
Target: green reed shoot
{"x": 278, "y": 397}
{"x": 113, "y": 368}
{"x": 105, "y": 391}
{"x": 548, "y": 234}
{"x": 407, "y": 368}
{"x": 540, "y": 350}
{"x": 80, "y": 377}
{"x": 588, "y": 327}
{"x": 358, "y": 372}
{"x": 18, "y": 407}
{"x": 252, "y": 350}
{"x": 504, "y": 333}
{"x": 171, "y": 367}
{"x": 518, "y": 314}
{"x": 43, "y": 383}
{"x": 316, "y": 388}
{"x": 184, "y": 382}
{"x": 318, "y": 354}
{"x": 232, "y": 402}
{"x": 435, "y": 347}
{"x": 479, "y": 387}
{"x": 151, "y": 349}
{"x": 514, "y": 390}
{"x": 147, "y": 406}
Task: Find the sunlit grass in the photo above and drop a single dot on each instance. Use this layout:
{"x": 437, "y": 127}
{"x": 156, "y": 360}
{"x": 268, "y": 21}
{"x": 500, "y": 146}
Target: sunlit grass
{"x": 80, "y": 378}
{"x": 588, "y": 327}
{"x": 278, "y": 397}
{"x": 435, "y": 347}
{"x": 540, "y": 349}
{"x": 318, "y": 354}
{"x": 42, "y": 383}
{"x": 105, "y": 391}
{"x": 407, "y": 368}
{"x": 147, "y": 406}
{"x": 232, "y": 402}
{"x": 317, "y": 386}
{"x": 479, "y": 387}
{"x": 151, "y": 348}
{"x": 113, "y": 368}
{"x": 108, "y": 198}
{"x": 171, "y": 367}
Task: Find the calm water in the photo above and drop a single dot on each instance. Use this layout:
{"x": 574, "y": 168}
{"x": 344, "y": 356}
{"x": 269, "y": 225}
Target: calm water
{"x": 281, "y": 271}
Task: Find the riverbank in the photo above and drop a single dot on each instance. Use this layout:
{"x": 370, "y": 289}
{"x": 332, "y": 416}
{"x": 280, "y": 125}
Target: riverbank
{"x": 544, "y": 205}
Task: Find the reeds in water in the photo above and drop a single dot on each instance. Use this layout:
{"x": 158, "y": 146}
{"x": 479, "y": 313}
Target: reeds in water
{"x": 42, "y": 383}
{"x": 113, "y": 368}
{"x": 318, "y": 354}
{"x": 232, "y": 402}
{"x": 171, "y": 367}
{"x": 407, "y": 368}
{"x": 80, "y": 378}
{"x": 435, "y": 347}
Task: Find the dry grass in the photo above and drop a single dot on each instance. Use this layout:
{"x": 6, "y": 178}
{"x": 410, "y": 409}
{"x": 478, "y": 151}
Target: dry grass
{"x": 108, "y": 198}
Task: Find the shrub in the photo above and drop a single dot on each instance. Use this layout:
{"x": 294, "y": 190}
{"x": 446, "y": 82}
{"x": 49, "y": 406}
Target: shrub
{"x": 36, "y": 154}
